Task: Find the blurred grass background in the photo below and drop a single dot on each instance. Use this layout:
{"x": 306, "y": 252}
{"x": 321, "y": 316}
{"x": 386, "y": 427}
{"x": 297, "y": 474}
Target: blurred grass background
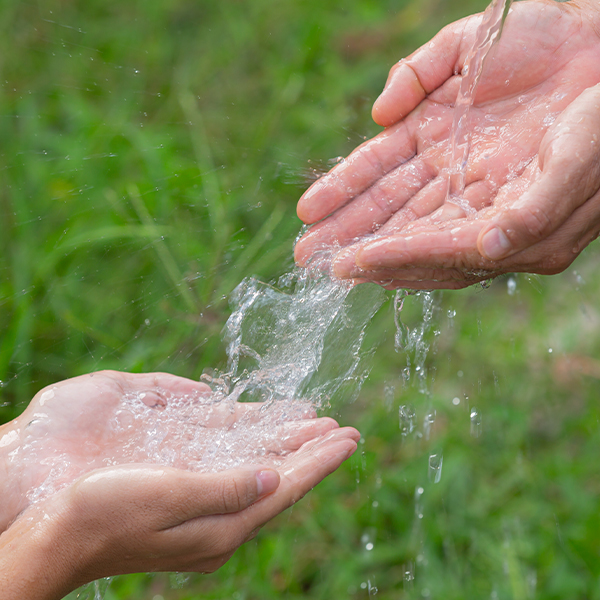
{"x": 152, "y": 154}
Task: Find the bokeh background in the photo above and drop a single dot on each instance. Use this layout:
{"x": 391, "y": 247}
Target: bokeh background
{"x": 151, "y": 157}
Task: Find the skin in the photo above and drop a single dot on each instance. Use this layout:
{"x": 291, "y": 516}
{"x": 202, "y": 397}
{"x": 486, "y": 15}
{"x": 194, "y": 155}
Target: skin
{"x": 532, "y": 196}
{"x": 141, "y": 517}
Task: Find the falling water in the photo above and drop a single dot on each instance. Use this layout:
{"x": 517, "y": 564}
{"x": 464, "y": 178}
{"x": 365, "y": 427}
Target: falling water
{"x": 488, "y": 32}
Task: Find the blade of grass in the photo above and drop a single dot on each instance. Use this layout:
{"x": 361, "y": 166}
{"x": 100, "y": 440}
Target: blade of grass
{"x": 162, "y": 250}
{"x": 219, "y": 225}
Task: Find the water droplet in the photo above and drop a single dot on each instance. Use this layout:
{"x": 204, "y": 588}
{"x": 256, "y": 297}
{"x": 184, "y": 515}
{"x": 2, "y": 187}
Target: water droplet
{"x": 549, "y": 350}
{"x": 419, "y": 502}
{"x": 456, "y": 401}
{"x": 402, "y": 337}
{"x": 407, "y": 418}
{"x": 435, "y": 467}
{"x": 476, "y": 425}
{"x": 368, "y": 539}
{"x": 405, "y": 375}
{"x": 408, "y": 575}
{"x": 511, "y": 285}
{"x": 388, "y": 395}
{"x": 428, "y": 422}
{"x": 486, "y": 283}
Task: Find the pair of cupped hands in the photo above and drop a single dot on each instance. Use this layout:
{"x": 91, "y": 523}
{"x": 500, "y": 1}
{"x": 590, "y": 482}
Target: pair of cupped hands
{"x": 127, "y": 518}
{"x": 531, "y": 202}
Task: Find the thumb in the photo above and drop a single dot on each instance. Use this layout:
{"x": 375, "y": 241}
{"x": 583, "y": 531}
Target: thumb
{"x": 165, "y": 497}
{"x": 219, "y": 493}
{"x": 569, "y": 175}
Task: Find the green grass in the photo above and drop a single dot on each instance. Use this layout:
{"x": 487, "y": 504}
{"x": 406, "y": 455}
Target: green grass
{"x": 152, "y": 156}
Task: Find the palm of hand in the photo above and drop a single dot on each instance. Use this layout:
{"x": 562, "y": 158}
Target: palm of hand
{"x": 110, "y": 418}
{"x": 397, "y": 182}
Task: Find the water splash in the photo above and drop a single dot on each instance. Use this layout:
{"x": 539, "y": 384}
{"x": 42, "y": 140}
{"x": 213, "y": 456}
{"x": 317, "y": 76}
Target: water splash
{"x": 407, "y": 418}
{"x": 436, "y": 461}
{"x": 476, "y": 423}
{"x": 415, "y": 342}
{"x": 277, "y": 335}
{"x": 293, "y": 347}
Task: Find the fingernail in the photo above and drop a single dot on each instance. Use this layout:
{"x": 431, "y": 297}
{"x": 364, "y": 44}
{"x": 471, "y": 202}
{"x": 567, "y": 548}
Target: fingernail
{"x": 495, "y": 244}
{"x": 266, "y": 482}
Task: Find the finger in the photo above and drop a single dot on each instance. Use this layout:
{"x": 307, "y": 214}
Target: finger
{"x": 430, "y": 260}
{"x": 299, "y": 474}
{"x": 291, "y": 435}
{"x": 413, "y": 78}
{"x": 370, "y": 210}
{"x": 303, "y": 471}
{"x": 419, "y": 211}
{"x": 426, "y": 284}
{"x": 569, "y": 176}
{"x": 423, "y": 203}
{"x": 368, "y": 163}
{"x": 296, "y": 433}
{"x": 165, "y": 497}
{"x": 451, "y": 246}
{"x": 229, "y": 491}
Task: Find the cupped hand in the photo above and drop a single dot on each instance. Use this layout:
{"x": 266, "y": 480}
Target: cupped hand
{"x": 136, "y": 518}
{"x": 111, "y": 418}
{"x": 531, "y": 197}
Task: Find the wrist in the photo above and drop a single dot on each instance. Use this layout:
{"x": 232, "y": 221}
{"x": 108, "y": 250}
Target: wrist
{"x": 38, "y": 558}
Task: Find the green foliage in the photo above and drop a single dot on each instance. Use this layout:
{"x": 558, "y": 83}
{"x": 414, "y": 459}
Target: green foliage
{"x": 152, "y": 156}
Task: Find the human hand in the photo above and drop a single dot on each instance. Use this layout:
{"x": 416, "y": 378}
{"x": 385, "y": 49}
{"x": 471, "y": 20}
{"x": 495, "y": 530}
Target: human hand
{"x": 111, "y": 418}
{"x": 149, "y": 518}
{"x": 532, "y": 172}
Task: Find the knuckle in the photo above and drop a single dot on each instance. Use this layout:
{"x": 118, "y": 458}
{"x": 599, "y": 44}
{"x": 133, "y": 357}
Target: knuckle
{"x": 371, "y": 157}
{"x": 235, "y": 495}
{"x": 536, "y": 223}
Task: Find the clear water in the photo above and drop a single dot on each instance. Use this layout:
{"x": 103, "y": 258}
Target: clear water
{"x": 487, "y": 34}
